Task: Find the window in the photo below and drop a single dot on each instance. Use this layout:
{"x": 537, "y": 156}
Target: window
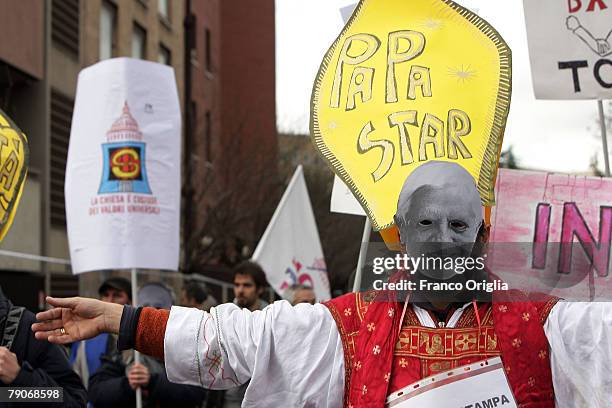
{"x": 65, "y": 24}
{"x": 208, "y": 135}
{"x": 61, "y": 118}
{"x": 163, "y": 9}
{"x": 139, "y": 42}
{"x": 208, "y": 51}
{"x": 108, "y": 31}
{"x": 165, "y": 57}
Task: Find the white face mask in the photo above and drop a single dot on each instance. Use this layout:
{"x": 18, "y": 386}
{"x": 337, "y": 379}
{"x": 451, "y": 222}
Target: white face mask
{"x": 439, "y": 214}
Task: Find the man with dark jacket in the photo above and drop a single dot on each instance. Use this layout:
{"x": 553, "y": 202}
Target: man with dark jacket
{"x": 27, "y": 362}
{"x": 85, "y": 356}
{"x": 111, "y": 387}
{"x": 115, "y": 383}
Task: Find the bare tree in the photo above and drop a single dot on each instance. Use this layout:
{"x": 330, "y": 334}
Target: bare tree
{"x": 508, "y": 160}
{"x": 234, "y": 196}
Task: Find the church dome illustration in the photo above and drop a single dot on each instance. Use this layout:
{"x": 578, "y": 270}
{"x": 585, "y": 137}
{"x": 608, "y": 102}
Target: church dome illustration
{"x": 124, "y": 157}
{"x": 125, "y": 127}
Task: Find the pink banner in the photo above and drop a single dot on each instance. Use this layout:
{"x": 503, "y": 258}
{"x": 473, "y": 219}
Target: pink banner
{"x": 553, "y": 231}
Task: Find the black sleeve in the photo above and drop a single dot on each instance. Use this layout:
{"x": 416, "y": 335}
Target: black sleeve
{"x": 164, "y": 392}
{"x": 45, "y": 365}
{"x": 128, "y": 327}
{"x": 109, "y": 386}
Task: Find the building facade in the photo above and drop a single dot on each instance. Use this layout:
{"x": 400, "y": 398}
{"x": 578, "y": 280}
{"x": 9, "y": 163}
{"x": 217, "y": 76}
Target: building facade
{"x": 44, "y": 46}
{"x": 223, "y": 54}
{"x": 231, "y": 173}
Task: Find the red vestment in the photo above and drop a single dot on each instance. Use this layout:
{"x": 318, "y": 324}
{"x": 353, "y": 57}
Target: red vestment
{"x": 381, "y": 359}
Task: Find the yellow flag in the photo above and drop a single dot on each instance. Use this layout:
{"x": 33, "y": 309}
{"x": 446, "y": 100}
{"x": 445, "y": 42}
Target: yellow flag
{"x": 406, "y": 82}
{"x": 14, "y": 156}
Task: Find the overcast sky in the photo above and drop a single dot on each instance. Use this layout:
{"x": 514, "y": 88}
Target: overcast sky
{"x": 548, "y": 135}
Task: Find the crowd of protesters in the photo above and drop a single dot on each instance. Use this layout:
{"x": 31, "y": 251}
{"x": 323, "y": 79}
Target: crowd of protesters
{"x": 94, "y": 373}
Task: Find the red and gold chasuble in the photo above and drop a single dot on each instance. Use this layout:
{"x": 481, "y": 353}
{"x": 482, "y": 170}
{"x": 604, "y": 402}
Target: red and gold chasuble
{"x": 380, "y": 358}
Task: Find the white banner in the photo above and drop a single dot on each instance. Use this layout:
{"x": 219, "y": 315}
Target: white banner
{"x": 123, "y": 176}
{"x": 290, "y": 251}
{"x": 342, "y": 199}
{"x": 570, "y": 44}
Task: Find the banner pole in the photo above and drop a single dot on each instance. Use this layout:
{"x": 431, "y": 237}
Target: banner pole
{"x": 134, "y": 281}
{"x": 363, "y": 251}
{"x": 604, "y": 136}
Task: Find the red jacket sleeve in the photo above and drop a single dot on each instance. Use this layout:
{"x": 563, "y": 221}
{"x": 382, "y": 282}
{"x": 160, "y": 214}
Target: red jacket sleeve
{"x": 151, "y": 330}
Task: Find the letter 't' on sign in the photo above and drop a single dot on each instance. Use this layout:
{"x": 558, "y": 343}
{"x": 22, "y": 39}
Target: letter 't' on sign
{"x": 13, "y": 168}
{"x": 408, "y": 82}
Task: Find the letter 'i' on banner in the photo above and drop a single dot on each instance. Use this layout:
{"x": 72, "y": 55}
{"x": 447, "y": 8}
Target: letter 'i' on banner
{"x": 123, "y": 175}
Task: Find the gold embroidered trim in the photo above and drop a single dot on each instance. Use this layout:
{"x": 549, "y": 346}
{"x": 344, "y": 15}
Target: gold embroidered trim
{"x": 545, "y": 311}
{"x": 348, "y": 357}
{"x": 445, "y": 344}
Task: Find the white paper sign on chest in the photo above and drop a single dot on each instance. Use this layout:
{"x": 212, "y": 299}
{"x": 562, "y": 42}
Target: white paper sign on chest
{"x": 478, "y": 385}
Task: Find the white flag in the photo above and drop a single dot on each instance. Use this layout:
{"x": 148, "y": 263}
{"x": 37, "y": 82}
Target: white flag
{"x": 123, "y": 180}
{"x": 290, "y": 250}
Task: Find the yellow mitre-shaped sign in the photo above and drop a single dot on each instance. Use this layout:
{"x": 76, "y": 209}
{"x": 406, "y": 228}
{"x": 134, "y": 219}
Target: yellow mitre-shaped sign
{"x": 406, "y": 82}
{"x": 14, "y": 155}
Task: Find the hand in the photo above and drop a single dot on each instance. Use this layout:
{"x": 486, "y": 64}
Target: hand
{"x": 603, "y": 47}
{"x": 9, "y": 367}
{"x": 81, "y": 318}
{"x": 572, "y": 23}
{"x": 138, "y": 376}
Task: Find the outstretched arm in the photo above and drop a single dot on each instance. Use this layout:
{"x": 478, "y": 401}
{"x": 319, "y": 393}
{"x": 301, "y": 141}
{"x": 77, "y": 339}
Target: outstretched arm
{"x": 74, "y": 319}
{"x": 598, "y": 45}
{"x": 293, "y": 356}
{"x": 77, "y": 318}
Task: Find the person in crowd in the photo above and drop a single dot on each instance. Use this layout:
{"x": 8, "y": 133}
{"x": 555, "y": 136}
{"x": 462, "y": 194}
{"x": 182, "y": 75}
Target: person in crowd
{"x": 194, "y": 294}
{"x": 301, "y": 294}
{"x": 115, "y": 383}
{"x": 85, "y": 355}
{"x": 249, "y": 285}
{"x": 209, "y": 303}
{"x": 27, "y": 362}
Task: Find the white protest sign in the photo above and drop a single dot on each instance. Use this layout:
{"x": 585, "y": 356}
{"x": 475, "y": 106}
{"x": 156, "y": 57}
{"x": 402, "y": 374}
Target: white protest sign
{"x": 570, "y": 44}
{"x": 123, "y": 175}
{"x": 347, "y": 11}
{"x": 343, "y": 201}
{"x": 478, "y": 385}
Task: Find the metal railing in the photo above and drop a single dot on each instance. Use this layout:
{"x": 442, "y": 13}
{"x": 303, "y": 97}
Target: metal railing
{"x": 173, "y": 279}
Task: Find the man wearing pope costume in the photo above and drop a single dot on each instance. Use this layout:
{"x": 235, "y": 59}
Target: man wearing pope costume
{"x": 357, "y": 349}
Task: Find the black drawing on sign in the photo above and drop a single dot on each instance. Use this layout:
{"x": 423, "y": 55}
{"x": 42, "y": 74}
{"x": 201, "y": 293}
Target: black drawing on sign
{"x": 600, "y": 46}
